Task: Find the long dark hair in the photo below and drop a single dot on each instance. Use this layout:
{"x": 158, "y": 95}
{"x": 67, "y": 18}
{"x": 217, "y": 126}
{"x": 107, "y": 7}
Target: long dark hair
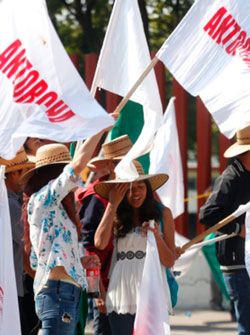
{"x": 40, "y": 178}
{"x": 124, "y": 215}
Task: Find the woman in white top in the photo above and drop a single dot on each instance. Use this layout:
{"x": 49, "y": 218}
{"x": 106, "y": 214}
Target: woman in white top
{"x": 54, "y": 230}
{"x": 130, "y": 207}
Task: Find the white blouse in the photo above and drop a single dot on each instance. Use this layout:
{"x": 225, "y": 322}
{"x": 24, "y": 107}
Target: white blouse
{"x": 125, "y": 281}
{"x": 53, "y": 235}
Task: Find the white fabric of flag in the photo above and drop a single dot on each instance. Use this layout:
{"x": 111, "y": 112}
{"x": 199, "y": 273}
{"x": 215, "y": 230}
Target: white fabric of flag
{"x": 209, "y": 55}
{"x": 184, "y": 262}
{"x": 9, "y": 312}
{"x": 154, "y": 297}
{"x": 165, "y": 157}
{"x": 124, "y": 57}
{"x": 247, "y": 242}
{"x": 42, "y": 95}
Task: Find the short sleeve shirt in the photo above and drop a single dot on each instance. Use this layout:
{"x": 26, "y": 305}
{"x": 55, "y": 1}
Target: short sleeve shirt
{"x": 53, "y": 235}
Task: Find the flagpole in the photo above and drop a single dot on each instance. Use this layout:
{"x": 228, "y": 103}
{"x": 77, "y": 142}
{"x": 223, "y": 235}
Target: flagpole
{"x": 136, "y": 85}
{"x": 213, "y": 229}
{"x": 124, "y": 100}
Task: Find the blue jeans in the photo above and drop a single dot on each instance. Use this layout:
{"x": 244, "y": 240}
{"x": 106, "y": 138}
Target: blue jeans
{"x": 57, "y": 306}
{"x": 238, "y": 285}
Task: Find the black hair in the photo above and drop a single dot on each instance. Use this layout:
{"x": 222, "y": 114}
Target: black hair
{"x": 42, "y": 176}
{"x": 148, "y": 211}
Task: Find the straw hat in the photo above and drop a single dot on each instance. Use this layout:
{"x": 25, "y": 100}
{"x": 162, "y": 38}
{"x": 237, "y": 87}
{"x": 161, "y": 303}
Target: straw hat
{"x": 155, "y": 180}
{"x": 49, "y": 154}
{"x": 18, "y": 163}
{"x": 113, "y": 150}
{"x": 242, "y": 143}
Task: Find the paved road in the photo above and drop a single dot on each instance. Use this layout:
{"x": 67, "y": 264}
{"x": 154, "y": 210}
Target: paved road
{"x": 203, "y": 322}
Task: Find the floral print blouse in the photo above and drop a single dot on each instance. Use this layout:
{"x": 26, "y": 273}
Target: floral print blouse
{"x": 53, "y": 235}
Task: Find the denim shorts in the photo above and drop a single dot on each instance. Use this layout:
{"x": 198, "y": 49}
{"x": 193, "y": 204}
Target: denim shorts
{"x": 57, "y": 306}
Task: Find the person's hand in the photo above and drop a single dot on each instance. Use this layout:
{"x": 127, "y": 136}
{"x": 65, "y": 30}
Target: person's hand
{"x": 178, "y": 252}
{"x": 91, "y": 261}
{"x": 100, "y": 304}
{"x": 117, "y": 193}
{"x": 115, "y": 115}
{"x": 155, "y": 230}
{"x": 242, "y": 231}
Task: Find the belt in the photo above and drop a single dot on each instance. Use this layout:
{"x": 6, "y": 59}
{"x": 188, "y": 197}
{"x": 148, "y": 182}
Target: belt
{"x": 59, "y": 285}
{"x": 139, "y": 254}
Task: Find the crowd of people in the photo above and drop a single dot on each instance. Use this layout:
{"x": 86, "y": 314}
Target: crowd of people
{"x": 61, "y": 227}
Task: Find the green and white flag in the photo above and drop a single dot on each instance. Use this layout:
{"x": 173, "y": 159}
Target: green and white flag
{"x": 124, "y": 57}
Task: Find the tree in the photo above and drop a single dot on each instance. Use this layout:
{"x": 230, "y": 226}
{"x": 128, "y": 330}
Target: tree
{"x": 81, "y": 24}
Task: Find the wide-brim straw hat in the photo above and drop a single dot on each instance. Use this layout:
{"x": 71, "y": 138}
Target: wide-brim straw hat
{"x": 242, "y": 143}
{"x": 114, "y": 150}
{"x": 48, "y": 154}
{"x": 155, "y": 180}
{"x": 19, "y": 162}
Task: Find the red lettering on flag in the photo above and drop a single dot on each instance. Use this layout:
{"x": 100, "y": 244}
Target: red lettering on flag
{"x": 226, "y": 31}
{"x": 212, "y": 25}
{"x": 55, "y": 112}
{"x": 234, "y": 46}
{"x": 9, "y": 52}
{"x": 32, "y": 93}
{"x": 25, "y": 84}
{"x": 47, "y": 99}
{"x": 32, "y": 88}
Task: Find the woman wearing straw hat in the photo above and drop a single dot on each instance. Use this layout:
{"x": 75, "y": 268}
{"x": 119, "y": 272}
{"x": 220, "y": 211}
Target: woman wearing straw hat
{"x": 56, "y": 254}
{"x": 93, "y": 207}
{"x": 130, "y": 207}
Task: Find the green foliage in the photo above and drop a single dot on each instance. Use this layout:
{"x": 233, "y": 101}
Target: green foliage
{"x": 81, "y": 24}
{"x": 164, "y": 15}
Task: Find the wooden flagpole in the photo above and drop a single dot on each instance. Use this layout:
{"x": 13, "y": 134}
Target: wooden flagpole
{"x": 129, "y": 94}
{"x": 212, "y": 229}
{"x": 136, "y": 85}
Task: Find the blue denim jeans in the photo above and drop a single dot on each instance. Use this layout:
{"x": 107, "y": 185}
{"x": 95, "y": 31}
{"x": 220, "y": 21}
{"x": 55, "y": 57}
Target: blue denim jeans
{"x": 238, "y": 285}
{"x": 57, "y": 306}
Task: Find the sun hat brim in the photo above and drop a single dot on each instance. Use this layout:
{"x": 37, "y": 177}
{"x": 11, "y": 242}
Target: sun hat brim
{"x": 97, "y": 162}
{"x": 156, "y": 181}
{"x": 18, "y": 167}
{"x": 236, "y": 149}
{"x": 26, "y": 176}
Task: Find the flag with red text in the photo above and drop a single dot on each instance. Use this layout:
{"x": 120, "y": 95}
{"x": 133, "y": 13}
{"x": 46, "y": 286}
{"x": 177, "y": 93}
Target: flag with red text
{"x": 41, "y": 94}
{"x": 209, "y": 55}
{"x": 9, "y": 312}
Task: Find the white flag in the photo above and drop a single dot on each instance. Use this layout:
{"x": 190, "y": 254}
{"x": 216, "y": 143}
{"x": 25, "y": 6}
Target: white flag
{"x": 9, "y": 312}
{"x": 209, "y": 54}
{"x": 165, "y": 157}
{"x": 124, "y": 57}
{"x": 41, "y": 95}
{"x": 154, "y": 297}
{"x": 184, "y": 262}
{"x": 247, "y": 242}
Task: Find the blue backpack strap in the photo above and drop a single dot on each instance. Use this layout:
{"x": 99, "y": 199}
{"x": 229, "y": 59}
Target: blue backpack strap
{"x": 160, "y": 206}
{"x": 172, "y": 283}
